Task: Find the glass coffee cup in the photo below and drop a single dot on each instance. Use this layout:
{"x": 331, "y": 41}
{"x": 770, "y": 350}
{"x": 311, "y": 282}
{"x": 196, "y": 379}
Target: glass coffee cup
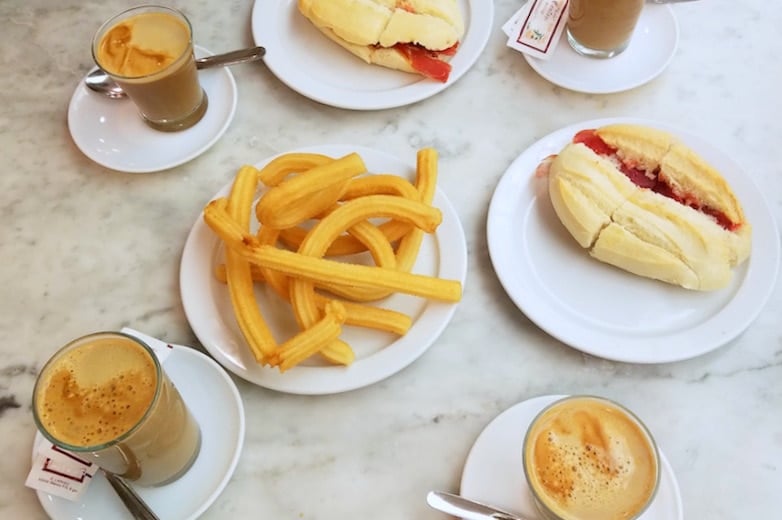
{"x": 589, "y": 458}
{"x": 106, "y": 398}
{"x": 148, "y": 51}
{"x": 602, "y": 28}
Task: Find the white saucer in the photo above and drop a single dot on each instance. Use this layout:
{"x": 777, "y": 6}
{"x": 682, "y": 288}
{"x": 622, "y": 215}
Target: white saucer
{"x": 215, "y": 402}
{"x": 650, "y": 51}
{"x": 111, "y": 132}
{"x": 493, "y": 472}
{"x": 603, "y": 310}
{"x": 379, "y": 355}
{"x": 312, "y": 65}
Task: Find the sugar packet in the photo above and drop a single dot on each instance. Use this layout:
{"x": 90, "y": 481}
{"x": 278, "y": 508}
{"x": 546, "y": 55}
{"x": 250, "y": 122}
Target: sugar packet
{"x": 59, "y": 473}
{"x": 535, "y": 29}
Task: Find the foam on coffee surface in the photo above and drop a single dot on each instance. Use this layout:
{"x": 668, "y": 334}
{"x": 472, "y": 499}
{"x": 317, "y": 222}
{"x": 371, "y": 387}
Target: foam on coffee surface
{"x": 592, "y": 463}
{"x": 82, "y": 403}
{"x": 143, "y": 44}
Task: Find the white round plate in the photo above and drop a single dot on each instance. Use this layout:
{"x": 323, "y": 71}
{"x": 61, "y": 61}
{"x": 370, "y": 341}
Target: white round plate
{"x": 111, "y": 132}
{"x": 314, "y": 66}
{"x": 493, "y": 472}
{"x": 214, "y": 400}
{"x": 650, "y": 51}
{"x": 603, "y": 310}
{"x": 378, "y": 354}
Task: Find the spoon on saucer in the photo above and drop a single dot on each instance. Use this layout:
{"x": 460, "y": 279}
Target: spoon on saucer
{"x": 99, "y": 81}
{"x": 135, "y": 504}
{"x": 466, "y": 508}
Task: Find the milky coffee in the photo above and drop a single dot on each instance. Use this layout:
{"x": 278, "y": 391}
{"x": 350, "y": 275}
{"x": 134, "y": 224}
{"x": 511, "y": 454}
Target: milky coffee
{"x": 586, "y": 458}
{"x": 148, "y": 50}
{"x": 602, "y": 28}
{"x": 106, "y": 397}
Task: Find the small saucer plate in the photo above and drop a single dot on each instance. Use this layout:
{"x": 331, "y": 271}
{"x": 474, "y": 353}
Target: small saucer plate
{"x": 214, "y": 400}
{"x": 315, "y": 67}
{"x": 650, "y": 51}
{"x": 111, "y": 132}
{"x": 493, "y": 472}
{"x": 379, "y": 355}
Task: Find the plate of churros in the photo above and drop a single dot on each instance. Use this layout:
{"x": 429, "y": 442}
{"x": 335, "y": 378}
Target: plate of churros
{"x": 324, "y": 269}
{"x": 334, "y": 52}
{"x": 633, "y": 258}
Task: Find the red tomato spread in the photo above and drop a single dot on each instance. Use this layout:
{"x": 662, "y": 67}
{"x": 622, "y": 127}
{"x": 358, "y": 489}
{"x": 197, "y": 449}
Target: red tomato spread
{"x": 426, "y": 62}
{"x": 650, "y": 180}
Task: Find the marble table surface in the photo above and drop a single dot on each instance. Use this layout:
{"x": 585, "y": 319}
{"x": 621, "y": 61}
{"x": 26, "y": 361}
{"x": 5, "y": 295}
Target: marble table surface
{"x": 84, "y": 248}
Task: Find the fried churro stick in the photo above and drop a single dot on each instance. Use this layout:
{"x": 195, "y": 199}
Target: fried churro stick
{"x": 313, "y": 339}
{"x": 426, "y": 183}
{"x": 338, "y": 352}
{"x": 280, "y": 167}
{"x": 222, "y": 277}
{"x": 238, "y": 275}
{"x": 300, "y": 198}
{"x": 381, "y": 184}
{"x": 323, "y": 271}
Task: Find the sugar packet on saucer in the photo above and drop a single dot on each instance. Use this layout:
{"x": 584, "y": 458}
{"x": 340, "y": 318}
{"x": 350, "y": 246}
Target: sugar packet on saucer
{"x": 59, "y": 473}
{"x": 535, "y": 29}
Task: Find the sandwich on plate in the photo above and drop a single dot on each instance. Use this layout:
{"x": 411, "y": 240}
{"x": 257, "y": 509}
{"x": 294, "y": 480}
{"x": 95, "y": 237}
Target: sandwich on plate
{"x": 417, "y": 36}
{"x": 637, "y": 198}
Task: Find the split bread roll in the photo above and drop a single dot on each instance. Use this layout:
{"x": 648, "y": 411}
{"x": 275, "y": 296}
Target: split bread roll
{"x": 415, "y": 36}
{"x": 640, "y": 200}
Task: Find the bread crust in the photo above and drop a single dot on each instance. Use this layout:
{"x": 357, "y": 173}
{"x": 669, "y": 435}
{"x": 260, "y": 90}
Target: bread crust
{"x": 434, "y": 24}
{"x": 370, "y": 29}
{"x": 691, "y": 231}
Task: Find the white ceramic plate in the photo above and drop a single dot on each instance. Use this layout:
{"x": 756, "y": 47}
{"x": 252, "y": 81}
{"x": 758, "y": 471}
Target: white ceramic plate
{"x": 603, "y": 310}
{"x": 315, "y": 67}
{"x": 650, "y": 51}
{"x": 215, "y": 402}
{"x": 111, "y": 132}
{"x": 493, "y": 472}
{"x": 378, "y": 354}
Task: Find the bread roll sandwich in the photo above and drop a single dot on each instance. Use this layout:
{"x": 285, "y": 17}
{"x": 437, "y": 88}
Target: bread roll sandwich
{"x": 416, "y": 36}
{"x": 640, "y": 200}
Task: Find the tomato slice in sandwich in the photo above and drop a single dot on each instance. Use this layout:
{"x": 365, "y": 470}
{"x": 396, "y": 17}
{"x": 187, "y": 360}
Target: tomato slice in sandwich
{"x": 426, "y": 62}
{"x": 651, "y": 180}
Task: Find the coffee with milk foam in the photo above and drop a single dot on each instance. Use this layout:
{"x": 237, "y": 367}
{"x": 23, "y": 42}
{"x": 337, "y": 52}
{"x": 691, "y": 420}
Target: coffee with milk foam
{"x": 587, "y": 459}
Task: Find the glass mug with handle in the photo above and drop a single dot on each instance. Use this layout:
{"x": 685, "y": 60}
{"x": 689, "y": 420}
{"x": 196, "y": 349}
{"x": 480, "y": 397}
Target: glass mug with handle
{"x": 106, "y": 398}
{"x": 148, "y": 51}
{"x": 602, "y": 28}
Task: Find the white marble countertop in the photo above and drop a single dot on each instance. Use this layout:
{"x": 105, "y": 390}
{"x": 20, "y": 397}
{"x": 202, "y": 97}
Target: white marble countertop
{"x": 84, "y": 248}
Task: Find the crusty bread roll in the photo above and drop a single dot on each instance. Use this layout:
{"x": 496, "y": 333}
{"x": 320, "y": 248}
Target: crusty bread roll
{"x": 639, "y": 199}
{"x": 410, "y": 35}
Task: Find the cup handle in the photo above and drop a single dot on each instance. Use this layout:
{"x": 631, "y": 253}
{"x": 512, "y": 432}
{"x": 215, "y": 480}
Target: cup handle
{"x": 133, "y": 468}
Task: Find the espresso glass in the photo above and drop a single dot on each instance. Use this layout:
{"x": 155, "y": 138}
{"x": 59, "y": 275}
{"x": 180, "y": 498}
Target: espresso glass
{"x": 106, "y": 398}
{"x": 602, "y": 28}
{"x": 148, "y": 51}
{"x": 590, "y": 457}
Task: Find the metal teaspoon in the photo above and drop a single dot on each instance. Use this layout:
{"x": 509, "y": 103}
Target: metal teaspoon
{"x": 135, "y": 504}
{"x": 466, "y": 508}
{"x": 99, "y": 81}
